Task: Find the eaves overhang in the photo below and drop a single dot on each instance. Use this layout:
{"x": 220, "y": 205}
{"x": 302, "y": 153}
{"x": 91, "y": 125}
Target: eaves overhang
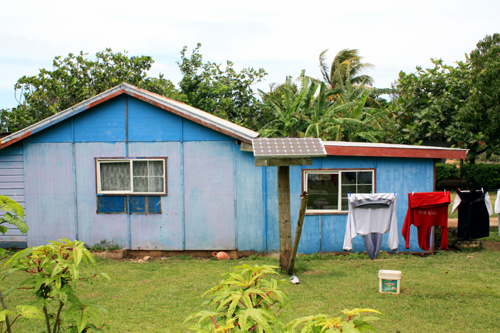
{"x": 339, "y": 148}
{"x": 181, "y": 109}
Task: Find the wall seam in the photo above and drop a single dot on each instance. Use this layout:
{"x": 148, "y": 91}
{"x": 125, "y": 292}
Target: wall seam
{"x": 75, "y": 182}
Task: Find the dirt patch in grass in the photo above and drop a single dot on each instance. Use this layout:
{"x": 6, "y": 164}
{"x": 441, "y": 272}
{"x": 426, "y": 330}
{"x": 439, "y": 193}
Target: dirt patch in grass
{"x": 495, "y": 246}
{"x": 313, "y": 272}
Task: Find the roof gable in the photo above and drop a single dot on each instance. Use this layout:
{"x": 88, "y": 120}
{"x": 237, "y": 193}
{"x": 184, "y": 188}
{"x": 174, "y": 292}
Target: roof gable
{"x": 183, "y": 110}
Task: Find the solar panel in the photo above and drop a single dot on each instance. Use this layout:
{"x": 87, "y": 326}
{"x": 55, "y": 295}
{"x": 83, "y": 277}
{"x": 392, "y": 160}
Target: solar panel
{"x": 288, "y": 147}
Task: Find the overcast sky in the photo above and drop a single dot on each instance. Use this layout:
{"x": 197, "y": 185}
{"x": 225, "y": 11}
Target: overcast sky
{"x": 283, "y": 37}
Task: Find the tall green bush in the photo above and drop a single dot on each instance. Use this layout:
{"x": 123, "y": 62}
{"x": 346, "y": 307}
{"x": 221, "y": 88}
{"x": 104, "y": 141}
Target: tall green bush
{"x": 445, "y": 171}
{"x": 482, "y": 175}
{"x": 476, "y": 175}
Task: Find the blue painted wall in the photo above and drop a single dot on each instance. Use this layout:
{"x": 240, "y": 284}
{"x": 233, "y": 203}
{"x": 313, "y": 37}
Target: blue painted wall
{"x": 217, "y": 199}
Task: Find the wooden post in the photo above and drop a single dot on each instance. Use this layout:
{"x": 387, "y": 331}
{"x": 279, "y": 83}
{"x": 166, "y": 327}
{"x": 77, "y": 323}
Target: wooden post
{"x": 298, "y": 231}
{"x": 284, "y": 216}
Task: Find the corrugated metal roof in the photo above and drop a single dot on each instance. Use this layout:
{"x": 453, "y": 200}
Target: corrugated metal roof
{"x": 341, "y": 148}
{"x": 201, "y": 117}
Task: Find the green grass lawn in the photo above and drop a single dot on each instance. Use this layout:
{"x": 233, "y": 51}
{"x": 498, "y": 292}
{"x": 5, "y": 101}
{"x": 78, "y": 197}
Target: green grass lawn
{"x": 453, "y": 194}
{"x": 447, "y": 292}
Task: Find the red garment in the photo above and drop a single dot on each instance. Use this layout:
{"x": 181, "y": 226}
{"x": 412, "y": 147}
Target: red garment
{"x": 426, "y": 210}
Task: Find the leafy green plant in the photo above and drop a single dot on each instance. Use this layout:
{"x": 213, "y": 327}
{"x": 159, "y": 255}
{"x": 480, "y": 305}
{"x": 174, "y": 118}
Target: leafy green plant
{"x": 104, "y": 245}
{"x": 14, "y": 214}
{"x": 355, "y": 323}
{"x": 54, "y": 271}
{"x": 246, "y": 300}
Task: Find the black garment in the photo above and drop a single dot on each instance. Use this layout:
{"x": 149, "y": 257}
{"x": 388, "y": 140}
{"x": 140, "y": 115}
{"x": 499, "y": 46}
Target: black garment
{"x": 473, "y": 217}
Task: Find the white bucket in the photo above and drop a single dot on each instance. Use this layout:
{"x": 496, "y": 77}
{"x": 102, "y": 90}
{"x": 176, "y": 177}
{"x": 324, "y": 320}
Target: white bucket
{"x": 389, "y": 281}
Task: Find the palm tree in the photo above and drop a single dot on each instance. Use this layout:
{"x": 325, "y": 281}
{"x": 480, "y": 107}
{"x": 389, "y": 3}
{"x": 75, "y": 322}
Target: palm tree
{"x": 346, "y": 62}
{"x": 287, "y": 104}
{"x": 358, "y": 123}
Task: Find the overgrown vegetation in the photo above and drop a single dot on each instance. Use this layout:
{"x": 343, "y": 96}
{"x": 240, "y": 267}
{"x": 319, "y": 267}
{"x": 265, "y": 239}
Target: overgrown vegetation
{"x": 476, "y": 175}
{"x": 54, "y": 271}
{"x": 104, "y": 245}
{"x": 248, "y": 299}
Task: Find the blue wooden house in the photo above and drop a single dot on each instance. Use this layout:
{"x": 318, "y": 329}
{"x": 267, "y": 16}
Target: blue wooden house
{"x": 151, "y": 173}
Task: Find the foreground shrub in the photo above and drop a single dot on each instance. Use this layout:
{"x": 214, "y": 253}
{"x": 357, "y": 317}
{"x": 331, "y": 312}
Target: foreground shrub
{"x": 54, "y": 271}
{"x": 249, "y": 300}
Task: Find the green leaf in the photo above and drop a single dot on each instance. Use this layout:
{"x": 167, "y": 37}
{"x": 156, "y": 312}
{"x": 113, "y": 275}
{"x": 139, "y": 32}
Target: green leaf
{"x": 9, "y": 205}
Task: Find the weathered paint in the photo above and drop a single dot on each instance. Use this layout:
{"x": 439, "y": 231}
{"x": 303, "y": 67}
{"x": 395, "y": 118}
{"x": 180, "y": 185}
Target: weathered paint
{"x": 166, "y": 230}
{"x": 50, "y": 201}
{"x": 93, "y": 227}
{"x": 342, "y": 148}
{"x": 249, "y": 204}
{"x": 400, "y": 175}
{"x": 195, "y": 132}
{"x": 104, "y": 123}
{"x": 208, "y": 196}
{"x": 217, "y": 199}
{"x": 151, "y": 123}
{"x": 12, "y": 185}
{"x": 93, "y": 103}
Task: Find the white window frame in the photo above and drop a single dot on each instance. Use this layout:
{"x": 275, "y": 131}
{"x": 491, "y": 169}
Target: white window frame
{"x": 101, "y": 160}
{"x": 339, "y": 173}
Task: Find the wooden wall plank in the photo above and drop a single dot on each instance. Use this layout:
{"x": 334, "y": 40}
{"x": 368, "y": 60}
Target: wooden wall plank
{"x": 209, "y": 197}
{"x": 93, "y": 227}
{"x": 163, "y": 231}
{"x": 50, "y": 200}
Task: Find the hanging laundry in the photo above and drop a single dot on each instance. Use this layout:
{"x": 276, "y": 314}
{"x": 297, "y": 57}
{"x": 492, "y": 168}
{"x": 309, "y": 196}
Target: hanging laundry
{"x": 474, "y": 210}
{"x": 497, "y": 210}
{"x": 427, "y": 210}
{"x": 371, "y": 215}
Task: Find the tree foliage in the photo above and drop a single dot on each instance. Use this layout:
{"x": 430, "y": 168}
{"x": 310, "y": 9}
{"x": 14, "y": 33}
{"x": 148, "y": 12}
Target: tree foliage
{"x": 427, "y": 104}
{"x": 481, "y": 114}
{"x": 221, "y": 90}
{"x": 454, "y": 106}
{"x": 314, "y": 110}
{"x": 75, "y": 79}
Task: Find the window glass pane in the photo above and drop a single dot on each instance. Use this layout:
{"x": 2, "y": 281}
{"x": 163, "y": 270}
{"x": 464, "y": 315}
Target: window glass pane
{"x": 345, "y": 204}
{"x": 323, "y": 191}
{"x": 140, "y": 184}
{"x": 365, "y": 177}
{"x": 347, "y": 189}
{"x": 140, "y": 168}
{"x": 155, "y": 184}
{"x": 156, "y": 168}
{"x": 115, "y": 176}
{"x": 364, "y": 188}
{"x": 348, "y": 178}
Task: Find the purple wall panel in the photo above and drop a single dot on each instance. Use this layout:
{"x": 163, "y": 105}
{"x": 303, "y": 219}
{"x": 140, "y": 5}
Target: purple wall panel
{"x": 50, "y": 199}
{"x": 209, "y": 195}
{"x": 93, "y": 227}
{"x": 163, "y": 231}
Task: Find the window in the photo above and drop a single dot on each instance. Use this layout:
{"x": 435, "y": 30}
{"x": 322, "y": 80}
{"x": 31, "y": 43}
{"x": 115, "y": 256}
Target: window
{"x": 131, "y": 176}
{"x": 328, "y": 189}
